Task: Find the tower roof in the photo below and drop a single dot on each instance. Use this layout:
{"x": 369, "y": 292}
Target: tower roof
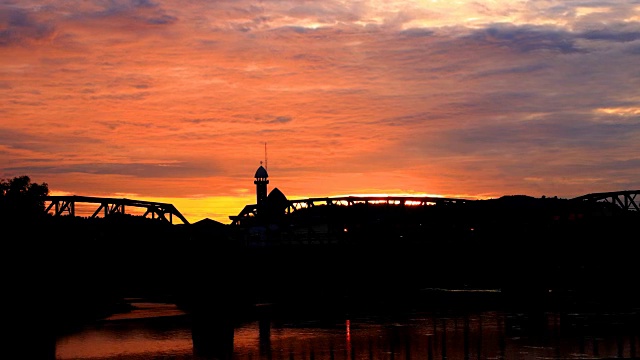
{"x": 276, "y": 195}
{"x": 261, "y": 173}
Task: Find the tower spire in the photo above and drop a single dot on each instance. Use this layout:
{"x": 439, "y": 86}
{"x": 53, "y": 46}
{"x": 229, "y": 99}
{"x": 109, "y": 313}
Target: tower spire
{"x": 262, "y": 179}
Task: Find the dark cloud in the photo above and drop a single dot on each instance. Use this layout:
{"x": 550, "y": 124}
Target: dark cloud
{"x": 16, "y": 139}
{"x": 200, "y": 120}
{"x": 27, "y": 103}
{"x": 565, "y": 131}
{"x": 121, "y": 97}
{"x": 42, "y": 143}
{"x": 529, "y": 38}
{"x": 515, "y": 103}
{"x": 127, "y": 13}
{"x": 119, "y": 7}
{"x": 413, "y": 119}
{"x": 529, "y": 69}
{"x": 416, "y": 33}
{"x": 280, "y": 120}
{"x": 207, "y": 43}
{"x": 162, "y": 20}
{"x": 526, "y": 38}
{"x": 139, "y": 170}
{"x": 295, "y": 29}
{"x": 24, "y": 25}
{"x": 19, "y": 27}
{"x": 62, "y": 61}
{"x": 143, "y": 3}
{"x": 274, "y": 131}
{"x": 115, "y": 124}
{"x": 611, "y": 35}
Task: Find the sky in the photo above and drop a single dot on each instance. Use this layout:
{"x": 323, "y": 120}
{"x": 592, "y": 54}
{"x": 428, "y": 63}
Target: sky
{"x": 174, "y": 101}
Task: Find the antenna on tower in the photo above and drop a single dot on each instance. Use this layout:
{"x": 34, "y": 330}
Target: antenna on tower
{"x": 266, "y": 167}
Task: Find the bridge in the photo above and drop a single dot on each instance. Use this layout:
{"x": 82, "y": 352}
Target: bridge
{"x": 628, "y": 200}
{"x": 67, "y": 205}
{"x": 291, "y": 206}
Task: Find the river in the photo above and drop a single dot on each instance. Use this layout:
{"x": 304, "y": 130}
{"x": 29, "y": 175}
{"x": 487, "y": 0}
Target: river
{"x": 155, "y": 330}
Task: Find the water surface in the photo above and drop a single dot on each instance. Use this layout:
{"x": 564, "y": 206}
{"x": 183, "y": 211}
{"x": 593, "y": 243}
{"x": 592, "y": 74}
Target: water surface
{"x": 162, "y": 331}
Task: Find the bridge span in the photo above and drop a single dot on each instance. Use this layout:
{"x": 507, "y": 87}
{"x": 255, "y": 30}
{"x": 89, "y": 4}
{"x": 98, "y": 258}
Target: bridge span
{"x": 291, "y": 206}
{"x": 67, "y": 205}
{"x": 628, "y": 200}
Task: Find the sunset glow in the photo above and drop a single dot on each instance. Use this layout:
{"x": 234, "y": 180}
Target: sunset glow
{"x": 173, "y": 101}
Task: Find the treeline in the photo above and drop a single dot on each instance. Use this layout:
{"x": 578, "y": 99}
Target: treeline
{"x": 21, "y": 200}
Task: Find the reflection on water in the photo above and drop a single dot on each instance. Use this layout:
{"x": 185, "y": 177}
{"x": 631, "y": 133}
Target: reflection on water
{"x": 159, "y": 331}
{"x": 485, "y": 335}
{"x": 152, "y": 330}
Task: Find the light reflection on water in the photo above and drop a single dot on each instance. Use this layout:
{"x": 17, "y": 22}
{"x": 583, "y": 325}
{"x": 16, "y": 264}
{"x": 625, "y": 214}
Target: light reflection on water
{"x": 152, "y": 330}
{"x": 161, "y": 332}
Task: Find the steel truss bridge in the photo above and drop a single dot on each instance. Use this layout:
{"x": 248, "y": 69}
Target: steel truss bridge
{"x": 66, "y": 205}
{"x": 251, "y": 211}
{"x": 627, "y": 200}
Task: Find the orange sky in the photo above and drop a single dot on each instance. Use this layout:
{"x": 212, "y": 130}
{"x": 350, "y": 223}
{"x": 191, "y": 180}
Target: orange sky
{"x": 173, "y": 101}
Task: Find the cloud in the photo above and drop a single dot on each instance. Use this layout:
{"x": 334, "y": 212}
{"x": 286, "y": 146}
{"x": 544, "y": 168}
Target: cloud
{"x": 610, "y": 34}
{"x": 163, "y": 19}
{"x": 528, "y": 69}
{"x": 280, "y": 120}
{"x": 560, "y": 130}
{"x": 138, "y": 170}
{"x": 120, "y": 96}
{"x": 415, "y": 33}
{"x": 19, "y": 27}
{"x": 525, "y": 38}
{"x": 42, "y": 143}
{"x": 114, "y": 8}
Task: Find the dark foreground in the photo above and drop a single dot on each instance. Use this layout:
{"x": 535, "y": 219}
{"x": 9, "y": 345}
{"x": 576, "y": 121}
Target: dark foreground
{"x": 63, "y": 273}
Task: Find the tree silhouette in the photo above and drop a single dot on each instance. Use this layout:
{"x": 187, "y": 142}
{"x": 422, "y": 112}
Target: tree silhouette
{"x": 20, "y": 199}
